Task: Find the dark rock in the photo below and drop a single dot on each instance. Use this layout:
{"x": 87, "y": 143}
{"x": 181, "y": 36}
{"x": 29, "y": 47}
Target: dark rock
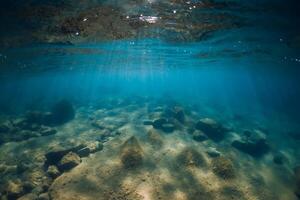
{"x": 199, "y": 136}
{"x": 255, "y": 149}
{"x": 147, "y": 122}
{"x": 157, "y": 124}
{"x": 131, "y": 154}
{"x": 190, "y": 157}
{"x": 211, "y": 128}
{"x": 53, "y": 172}
{"x": 62, "y": 112}
{"x": 4, "y": 128}
{"x": 53, "y": 157}
{"x": 28, "y": 186}
{"x": 223, "y": 168}
{"x": 69, "y": 161}
{"x": 179, "y": 114}
{"x": 279, "y": 159}
{"x": 168, "y": 127}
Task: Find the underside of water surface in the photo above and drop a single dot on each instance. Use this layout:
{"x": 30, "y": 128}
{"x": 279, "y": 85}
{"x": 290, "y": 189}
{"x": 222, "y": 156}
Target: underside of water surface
{"x": 149, "y": 100}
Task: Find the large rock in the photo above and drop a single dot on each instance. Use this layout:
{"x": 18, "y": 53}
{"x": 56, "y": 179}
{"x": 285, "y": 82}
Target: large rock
{"x": 254, "y": 144}
{"x": 62, "y": 112}
{"x": 168, "y": 127}
{"x": 211, "y": 128}
{"x": 158, "y": 123}
{"x": 131, "y": 154}
{"x": 69, "y": 161}
{"x": 53, "y": 157}
{"x": 223, "y": 168}
{"x": 14, "y": 189}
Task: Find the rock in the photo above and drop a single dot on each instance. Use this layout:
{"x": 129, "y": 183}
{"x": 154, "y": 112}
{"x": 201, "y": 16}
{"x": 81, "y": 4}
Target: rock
{"x": 254, "y": 145}
{"x": 14, "y": 189}
{"x": 199, "y": 136}
{"x": 62, "y": 112}
{"x": 53, "y": 172}
{"x": 43, "y": 196}
{"x": 279, "y": 159}
{"x": 91, "y": 147}
{"x": 53, "y": 157}
{"x": 179, "y": 114}
{"x": 190, "y": 157}
{"x": 147, "y": 122}
{"x": 155, "y": 138}
{"x": 157, "y": 124}
{"x": 29, "y": 196}
{"x": 4, "y": 128}
{"x": 211, "y": 128}
{"x": 131, "y": 154}
{"x": 168, "y": 127}
{"x": 46, "y": 131}
{"x": 213, "y": 152}
{"x": 69, "y": 161}
{"x": 223, "y": 168}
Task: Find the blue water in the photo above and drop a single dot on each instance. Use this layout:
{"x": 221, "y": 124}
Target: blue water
{"x": 245, "y": 77}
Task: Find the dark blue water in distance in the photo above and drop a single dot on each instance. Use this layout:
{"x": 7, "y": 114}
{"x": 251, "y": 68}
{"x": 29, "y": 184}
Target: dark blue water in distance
{"x": 149, "y": 99}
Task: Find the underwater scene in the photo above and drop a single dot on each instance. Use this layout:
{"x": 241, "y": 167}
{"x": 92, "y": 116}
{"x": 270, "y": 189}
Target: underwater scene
{"x": 149, "y": 100}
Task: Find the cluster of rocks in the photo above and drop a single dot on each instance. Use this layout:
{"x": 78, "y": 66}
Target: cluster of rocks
{"x": 22, "y": 129}
{"x": 36, "y": 123}
{"x": 171, "y": 119}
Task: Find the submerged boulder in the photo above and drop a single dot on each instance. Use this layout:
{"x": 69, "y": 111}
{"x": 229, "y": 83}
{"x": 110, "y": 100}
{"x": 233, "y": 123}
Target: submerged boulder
{"x": 190, "y": 157}
{"x": 168, "y": 127}
{"x": 62, "y": 112}
{"x": 69, "y": 161}
{"x": 131, "y": 153}
{"x": 254, "y": 144}
{"x": 158, "y": 123}
{"x": 91, "y": 147}
{"x": 211, "y": 128}
{"x": 199, "y": 136}
{"x": 223, "y": 167}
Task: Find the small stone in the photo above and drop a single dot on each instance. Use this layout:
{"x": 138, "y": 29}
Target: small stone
{"x": 157, "y": 124}
{"x": 213, "y": 152}
{"x": 53, "y": 172}
{"x": 46, "y": 131}
{"x": 199, "y": 136}
{"x": 69, "y": 161}
{"x": 168, "y": 128}
{"x": 43, "y": 196}
{"x": 147, "y": 122}
{"x": 29, "y": 196}
{"x": 90, "y": 148}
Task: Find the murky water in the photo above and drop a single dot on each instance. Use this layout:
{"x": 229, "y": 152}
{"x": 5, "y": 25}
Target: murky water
{"x": 149, "y": 100}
